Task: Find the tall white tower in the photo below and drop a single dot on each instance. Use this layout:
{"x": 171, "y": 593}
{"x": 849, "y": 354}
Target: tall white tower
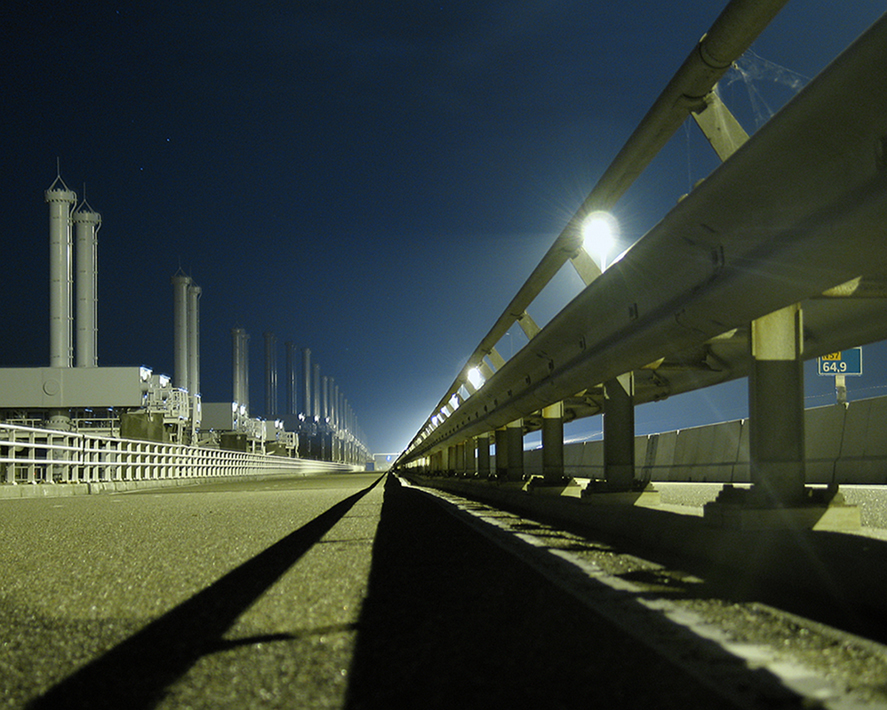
{"x": 61, "y": 201}
{"x": 270, "y": 375}
{"x": 240, "y": 367}
{"x": 87, "y": 224}
{"x": 194, "y": 339}
{"x": 180, "y": 284}
{"x": 290, "y": 377}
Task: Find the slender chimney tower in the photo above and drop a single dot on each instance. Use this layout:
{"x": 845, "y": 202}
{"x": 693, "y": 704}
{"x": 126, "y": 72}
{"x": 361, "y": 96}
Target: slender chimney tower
{"x": 270, "y": 376}
{"x": 180, "y": 285}
{"x": 193, "y": 349}
{"x": 307, "y": 410}
{"x": 290, "y": 377}
{"x": 325, "y": 399}
{"x": 87, "y": 224}
{"x": 315, "y": 394}
{"x": 61, "y": 201}
{"x": 240, "y": 369}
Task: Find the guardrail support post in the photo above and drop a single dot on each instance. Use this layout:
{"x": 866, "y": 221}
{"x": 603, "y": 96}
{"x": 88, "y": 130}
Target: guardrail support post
{"x": 483, "y": 456}
{"x": 776, "y": 407}
{"x": 501, "y": 454}
{"x": 460, "y": 459}
{"x": 515, "y": 444}
{"x": 553, "y": 443}
{"x": 619, "y": 432}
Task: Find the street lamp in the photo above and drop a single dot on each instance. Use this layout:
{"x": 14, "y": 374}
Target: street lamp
{"x": 475, "y": 378}
{"x": 599, "y": 232}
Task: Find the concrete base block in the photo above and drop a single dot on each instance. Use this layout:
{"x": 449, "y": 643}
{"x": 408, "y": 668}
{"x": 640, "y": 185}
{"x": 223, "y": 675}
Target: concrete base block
{"x": 648, "y": 497}
{"x": 42, "y": 490}
{"x": 810, "y": 517}
{"x": 11, "y": 490}
{"x": 564, "y": 487}
{"x": 507, "y": 485}
{"x": 58, "y": 490}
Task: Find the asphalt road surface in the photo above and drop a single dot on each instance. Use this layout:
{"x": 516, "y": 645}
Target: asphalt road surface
{"x": 342, "y": 591}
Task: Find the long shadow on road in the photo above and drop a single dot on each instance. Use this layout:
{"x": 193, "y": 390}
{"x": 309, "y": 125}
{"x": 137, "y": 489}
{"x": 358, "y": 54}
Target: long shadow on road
{"x": 134, "y": 674}
{"x": 450, "y": 620}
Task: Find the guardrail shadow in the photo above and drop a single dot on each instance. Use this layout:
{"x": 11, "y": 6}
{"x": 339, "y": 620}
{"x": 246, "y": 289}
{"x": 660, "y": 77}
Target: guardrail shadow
{"x": 134, "y": 674}
{"x": 838, "y": 579}
{"x": 451, "y": 620}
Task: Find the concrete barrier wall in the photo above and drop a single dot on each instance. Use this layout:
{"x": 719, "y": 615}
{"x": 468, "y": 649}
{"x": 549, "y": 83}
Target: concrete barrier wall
{"x": 864, "y": 445}
{"x": 533, "y": 462}
{"x": 824, "y": 428}
{"x": 583, "y": 460}
{"x": 844, "y": 444}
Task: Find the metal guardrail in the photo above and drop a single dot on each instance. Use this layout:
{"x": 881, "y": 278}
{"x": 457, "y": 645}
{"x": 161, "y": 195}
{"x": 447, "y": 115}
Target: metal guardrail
{"x": 732, "y": 33}
{"x": 757, "y": 236}
{"x": 31, "y": 455}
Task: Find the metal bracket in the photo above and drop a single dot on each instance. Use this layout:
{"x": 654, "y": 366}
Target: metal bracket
{"x": 720, "y": 126}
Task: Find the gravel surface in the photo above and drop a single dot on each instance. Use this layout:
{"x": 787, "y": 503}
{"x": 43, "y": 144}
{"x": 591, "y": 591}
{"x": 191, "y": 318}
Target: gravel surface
{"x": 733, "y": 644}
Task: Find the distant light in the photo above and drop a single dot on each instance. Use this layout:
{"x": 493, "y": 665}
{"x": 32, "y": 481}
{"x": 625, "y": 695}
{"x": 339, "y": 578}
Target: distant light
{"x": 476, "y": 378}
{"x": 144, "y": 373}
{"x": 599, "y": 232}
{"x": 454, "y": 403}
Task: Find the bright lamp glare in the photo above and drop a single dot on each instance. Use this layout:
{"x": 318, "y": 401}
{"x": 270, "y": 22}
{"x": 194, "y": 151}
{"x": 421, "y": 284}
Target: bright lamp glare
{"x": 475, "y": 378}
{"x": 599, "y": 232}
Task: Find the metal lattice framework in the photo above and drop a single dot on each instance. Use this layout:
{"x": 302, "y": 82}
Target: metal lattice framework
{"x": 34, "y": 455}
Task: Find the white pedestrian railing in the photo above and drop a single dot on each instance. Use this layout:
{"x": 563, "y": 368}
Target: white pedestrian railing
{"x": 32, "y": 455}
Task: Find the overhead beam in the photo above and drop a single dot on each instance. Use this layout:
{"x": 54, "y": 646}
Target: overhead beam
{"x": 729, "y": 37}
{"x": 759, "y": 234}
{"x": 719, "y": 126}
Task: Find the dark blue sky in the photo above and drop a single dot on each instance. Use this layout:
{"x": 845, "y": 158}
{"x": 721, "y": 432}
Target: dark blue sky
{"x": 371, "y": 180}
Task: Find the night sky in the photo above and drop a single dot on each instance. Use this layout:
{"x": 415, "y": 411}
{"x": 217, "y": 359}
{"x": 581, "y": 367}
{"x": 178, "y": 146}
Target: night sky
{"x": 373, "y": 180}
